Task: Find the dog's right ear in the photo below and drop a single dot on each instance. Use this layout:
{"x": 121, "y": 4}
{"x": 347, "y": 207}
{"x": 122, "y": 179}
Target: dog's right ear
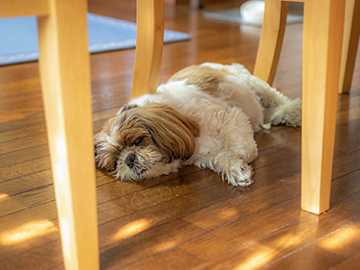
{"x": 106, "y": 151}
{"x": 126, "y": 107}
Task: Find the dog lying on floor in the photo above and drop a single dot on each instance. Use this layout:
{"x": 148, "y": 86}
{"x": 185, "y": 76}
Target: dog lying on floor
{"x": 204, "y": 115}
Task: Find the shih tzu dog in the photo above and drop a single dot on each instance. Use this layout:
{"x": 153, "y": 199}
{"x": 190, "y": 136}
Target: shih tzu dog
{"x": 204, "y": 115}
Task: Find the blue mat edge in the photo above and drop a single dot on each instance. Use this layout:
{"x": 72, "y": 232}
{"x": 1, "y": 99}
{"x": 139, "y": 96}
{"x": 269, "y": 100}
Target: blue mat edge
{"x": 169, "y": 36}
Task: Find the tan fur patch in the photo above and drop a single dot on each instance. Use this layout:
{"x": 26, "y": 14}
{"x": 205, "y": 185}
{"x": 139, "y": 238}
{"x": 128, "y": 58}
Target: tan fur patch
{"x": 172, "y": 132}
{"x": 207, "y": 79}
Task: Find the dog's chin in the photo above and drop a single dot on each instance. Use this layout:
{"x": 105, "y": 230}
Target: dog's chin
{"x": 140, "y": 172}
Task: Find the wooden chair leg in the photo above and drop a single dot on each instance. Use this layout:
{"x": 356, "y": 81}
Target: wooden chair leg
{"x": 65, "y": 76}
{"x": 272, "y": 36}
{"x": 350, "y": 44}
{"x": 149, "y": 46}
{"x": 321, "y": 67}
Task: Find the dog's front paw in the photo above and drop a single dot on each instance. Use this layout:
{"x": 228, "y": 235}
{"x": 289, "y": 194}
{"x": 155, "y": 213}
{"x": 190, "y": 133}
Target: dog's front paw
{"x": 230, "y": 165}
{"x": 238, "y": 174}
{"x": 288, "y": 114}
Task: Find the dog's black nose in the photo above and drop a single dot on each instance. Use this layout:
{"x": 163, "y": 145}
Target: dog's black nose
{"x": 129, "y": 160}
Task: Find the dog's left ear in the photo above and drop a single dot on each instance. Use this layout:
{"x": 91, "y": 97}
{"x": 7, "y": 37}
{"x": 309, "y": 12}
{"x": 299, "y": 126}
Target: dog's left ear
{"x": 173, "y": 133}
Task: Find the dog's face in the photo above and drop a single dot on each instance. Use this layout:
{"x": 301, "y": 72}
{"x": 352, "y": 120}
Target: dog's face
{"x": 143, "y": 142}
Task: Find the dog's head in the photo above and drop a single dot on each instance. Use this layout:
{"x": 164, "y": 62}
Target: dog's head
{"x": 141, "y": 142}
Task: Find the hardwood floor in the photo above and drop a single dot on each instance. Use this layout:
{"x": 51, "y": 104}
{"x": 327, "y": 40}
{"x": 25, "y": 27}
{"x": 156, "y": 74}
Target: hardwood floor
{"x": 189, "y": 219}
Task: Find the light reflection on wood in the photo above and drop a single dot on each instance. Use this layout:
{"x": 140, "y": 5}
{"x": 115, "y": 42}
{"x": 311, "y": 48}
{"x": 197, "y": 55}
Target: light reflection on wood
{"x": 29, "y": 230}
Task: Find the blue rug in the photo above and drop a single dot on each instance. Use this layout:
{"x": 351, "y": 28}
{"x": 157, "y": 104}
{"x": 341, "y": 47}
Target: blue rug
{"x": 19, "y": 37}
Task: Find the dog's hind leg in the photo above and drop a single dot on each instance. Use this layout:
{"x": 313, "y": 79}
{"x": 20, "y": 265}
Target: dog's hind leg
{"x": 278, "y": 108}
{"x": 288, "y": 113}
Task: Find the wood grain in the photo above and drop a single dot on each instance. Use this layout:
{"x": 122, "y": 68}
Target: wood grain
{"x": 188, "y": 219}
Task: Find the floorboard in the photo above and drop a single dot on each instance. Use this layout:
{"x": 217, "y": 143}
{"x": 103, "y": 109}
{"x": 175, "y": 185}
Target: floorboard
{"x": 190, "y": 219}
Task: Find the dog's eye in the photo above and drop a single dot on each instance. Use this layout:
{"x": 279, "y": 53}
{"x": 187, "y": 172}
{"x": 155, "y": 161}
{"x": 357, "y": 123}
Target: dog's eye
{"x": 138, "y": 141}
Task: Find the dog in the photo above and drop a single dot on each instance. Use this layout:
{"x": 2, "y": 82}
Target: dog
{"x": 204, "y": 115}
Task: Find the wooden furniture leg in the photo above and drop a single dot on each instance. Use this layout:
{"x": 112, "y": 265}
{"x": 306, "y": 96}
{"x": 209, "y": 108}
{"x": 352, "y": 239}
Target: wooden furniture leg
{"x": 149, "y": 46}
{"x": 65, "y": 76}
{"x": 350, "y": 44}
{"x": 322, "y": 44}
{"x": 197, "y": 4}
{"x": 272, "y": 35}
